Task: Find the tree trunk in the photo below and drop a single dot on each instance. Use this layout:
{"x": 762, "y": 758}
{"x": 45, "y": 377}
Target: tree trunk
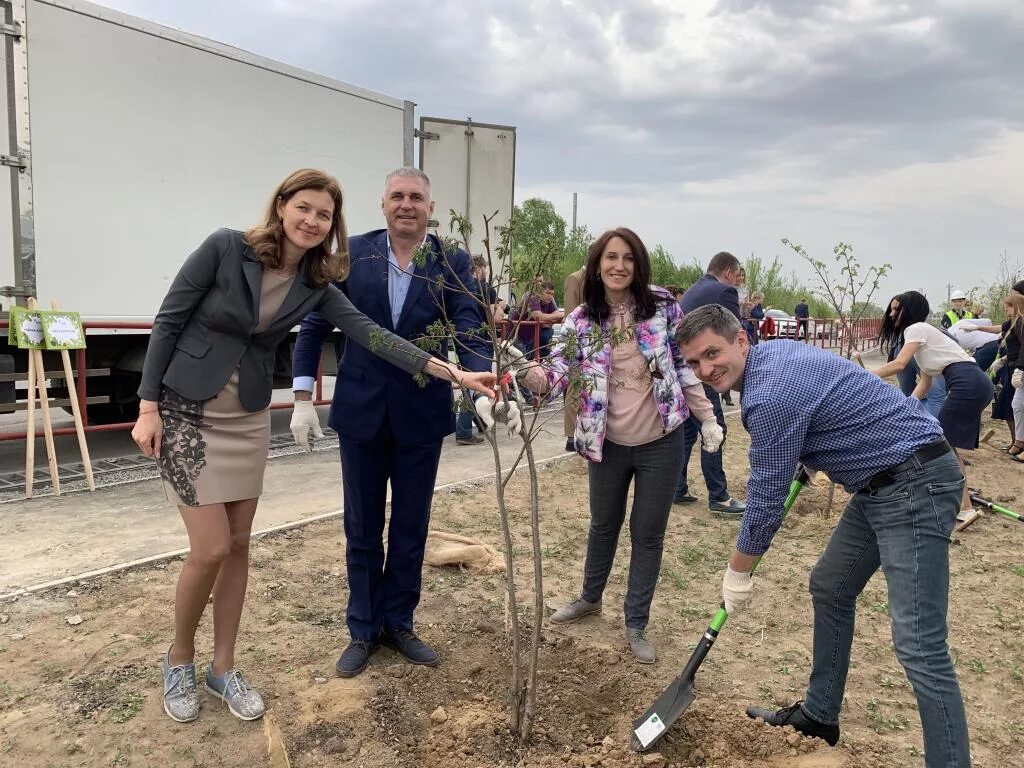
{"x": 515, "y": 686}
{"x": 530, "y": 704}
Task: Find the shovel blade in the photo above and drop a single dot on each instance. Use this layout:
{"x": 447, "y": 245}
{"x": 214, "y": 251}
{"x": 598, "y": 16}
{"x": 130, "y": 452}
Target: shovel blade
{"x": 674, "y": 700}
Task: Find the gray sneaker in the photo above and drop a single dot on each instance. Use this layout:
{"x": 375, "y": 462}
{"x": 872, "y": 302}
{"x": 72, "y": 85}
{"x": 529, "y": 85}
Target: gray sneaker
{"x": 243, "y": 701}
{"x": 181, "y": 699}
{"x": 640, "y": 645}
{"x": 577, "y": 609}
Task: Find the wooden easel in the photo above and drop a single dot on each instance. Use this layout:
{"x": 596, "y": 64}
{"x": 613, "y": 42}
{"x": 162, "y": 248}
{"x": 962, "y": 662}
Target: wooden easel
{"x": 37, "y": 381}
{"x": 69, "y": 377}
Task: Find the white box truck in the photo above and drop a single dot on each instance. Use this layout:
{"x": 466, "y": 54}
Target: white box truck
{"x": 128, "y": 142}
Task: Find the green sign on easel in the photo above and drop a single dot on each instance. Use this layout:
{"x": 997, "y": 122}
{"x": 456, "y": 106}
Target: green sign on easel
{"x": 27, "y": 328}
{"x": 39, "y": 329}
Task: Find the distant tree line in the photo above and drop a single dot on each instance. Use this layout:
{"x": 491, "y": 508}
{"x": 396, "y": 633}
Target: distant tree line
{"x": 543, "y": 244}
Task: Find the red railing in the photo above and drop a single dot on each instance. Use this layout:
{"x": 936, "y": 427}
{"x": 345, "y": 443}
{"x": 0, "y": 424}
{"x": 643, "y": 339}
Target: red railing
{"x": 81, "y": 385}
{"x": 823, "y": 333}
{"x": 830, "y": 334}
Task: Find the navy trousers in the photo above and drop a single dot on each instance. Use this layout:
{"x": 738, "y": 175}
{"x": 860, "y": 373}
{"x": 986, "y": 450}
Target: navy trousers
{"x": 383, "y": 594}
{"x": 710, "y": 463}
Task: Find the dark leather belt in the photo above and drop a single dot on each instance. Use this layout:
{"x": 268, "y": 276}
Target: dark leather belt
{"x": 920, "y": 456}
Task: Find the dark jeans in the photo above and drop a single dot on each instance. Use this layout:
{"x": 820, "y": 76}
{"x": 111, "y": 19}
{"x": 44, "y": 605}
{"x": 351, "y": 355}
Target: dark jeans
{"x": 464, "y": 418}
{"x": 904, "y": 528}
{"x": 907, "y": 379}
{"x": 985, "y": 355}
{"x": 801, "y": 327}
{"x": 710, "y": 463}
{"x": 651, "y": 468}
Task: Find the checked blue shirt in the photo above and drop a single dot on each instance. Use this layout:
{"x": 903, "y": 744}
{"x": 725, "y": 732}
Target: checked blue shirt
{"x": 802, "y": 404}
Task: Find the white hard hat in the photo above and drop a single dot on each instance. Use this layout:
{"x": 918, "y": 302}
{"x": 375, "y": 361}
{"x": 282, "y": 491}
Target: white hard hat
{"x": 957, "y": 295}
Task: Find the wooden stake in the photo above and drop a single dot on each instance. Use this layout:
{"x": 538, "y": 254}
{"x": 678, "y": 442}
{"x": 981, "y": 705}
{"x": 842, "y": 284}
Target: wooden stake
{"x": 276, "y": 750}
{"x": 83, "y": 446}
{"x": 30, "y": 428}
{"x": 44, "y": 407}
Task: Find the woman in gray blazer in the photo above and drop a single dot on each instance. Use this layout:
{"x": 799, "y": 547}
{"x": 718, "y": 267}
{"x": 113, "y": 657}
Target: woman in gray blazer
{"x": 205, "y": 396}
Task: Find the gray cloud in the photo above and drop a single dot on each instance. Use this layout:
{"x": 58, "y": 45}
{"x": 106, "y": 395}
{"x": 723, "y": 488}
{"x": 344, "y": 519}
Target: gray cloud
{"x": 756, "y": 97}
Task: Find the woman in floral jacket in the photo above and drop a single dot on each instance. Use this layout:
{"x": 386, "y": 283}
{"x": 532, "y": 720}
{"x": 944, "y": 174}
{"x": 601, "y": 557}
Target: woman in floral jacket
{"x": 635, "y": 393}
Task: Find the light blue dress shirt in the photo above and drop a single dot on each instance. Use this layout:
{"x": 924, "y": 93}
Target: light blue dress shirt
{"x": 399, "y": 281}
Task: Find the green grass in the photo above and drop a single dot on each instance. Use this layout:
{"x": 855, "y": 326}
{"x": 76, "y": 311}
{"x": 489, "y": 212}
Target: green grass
{"x": 678, "y": 580}
{"x": 128, "y": 708}
{"x": 882, "y": 722}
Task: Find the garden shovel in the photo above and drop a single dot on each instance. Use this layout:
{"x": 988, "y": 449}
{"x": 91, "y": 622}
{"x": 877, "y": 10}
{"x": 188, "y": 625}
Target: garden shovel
{"x": 675, "y": 699}
{"x": 977, "y": 498}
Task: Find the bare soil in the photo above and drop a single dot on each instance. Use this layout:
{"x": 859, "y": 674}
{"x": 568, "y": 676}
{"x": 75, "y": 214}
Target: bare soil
{"x": 89, "y": 694}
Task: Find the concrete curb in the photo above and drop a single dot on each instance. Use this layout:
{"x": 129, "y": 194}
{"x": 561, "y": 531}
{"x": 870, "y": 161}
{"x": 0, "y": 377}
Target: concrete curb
{"x": 165, "y": 556}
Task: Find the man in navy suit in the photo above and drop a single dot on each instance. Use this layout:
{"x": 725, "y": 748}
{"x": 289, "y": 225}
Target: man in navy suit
{"x": 390, "y": 426}
{"x": 718, "y": 286}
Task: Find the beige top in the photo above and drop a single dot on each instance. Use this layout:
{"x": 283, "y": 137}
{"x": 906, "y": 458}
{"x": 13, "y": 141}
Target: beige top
{"x": 273, "y": 290}
{"x": 633, "y": 416}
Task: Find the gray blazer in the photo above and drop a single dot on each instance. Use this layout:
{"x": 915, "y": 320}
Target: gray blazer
{"x": 205, "y": 327}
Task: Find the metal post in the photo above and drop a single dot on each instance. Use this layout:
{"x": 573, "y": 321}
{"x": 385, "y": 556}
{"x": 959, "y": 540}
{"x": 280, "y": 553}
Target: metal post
{"x": 574, "y": 211}
{"x": 469, "y": 167}
{"x": 408, "y": 134}
{"x": 15, "y": 32}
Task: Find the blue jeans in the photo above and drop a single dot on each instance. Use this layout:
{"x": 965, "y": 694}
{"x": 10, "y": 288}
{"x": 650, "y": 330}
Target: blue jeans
{"x": 464, "y": 424}
{"x": 710, "y": 463}
{"x": 907, "y": 379}
{"x": 904, "y": 528}
{"x": 986, "y": 354}
{"x": 464, "y": 416}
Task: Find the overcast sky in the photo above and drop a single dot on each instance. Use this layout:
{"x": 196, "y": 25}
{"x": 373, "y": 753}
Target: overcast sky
{"x": 704, "y": 125}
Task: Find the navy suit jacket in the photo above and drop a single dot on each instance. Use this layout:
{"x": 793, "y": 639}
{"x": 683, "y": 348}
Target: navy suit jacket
{"x": 373, "y": 398}
{"x": 709, "y": 290}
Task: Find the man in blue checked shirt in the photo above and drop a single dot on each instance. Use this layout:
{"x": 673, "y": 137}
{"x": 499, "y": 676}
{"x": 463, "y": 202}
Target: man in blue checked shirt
{"x": 805, "y": 405}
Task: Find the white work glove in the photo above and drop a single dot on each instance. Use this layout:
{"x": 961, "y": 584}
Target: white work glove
{"x": 510, "y": 358}
{"x": 304, "y": 421}
{"x": 737, "y": 586}
{"x": 996, "y": 366}
{"x": 711, "y": 435}
{"x": 505, "y": 411}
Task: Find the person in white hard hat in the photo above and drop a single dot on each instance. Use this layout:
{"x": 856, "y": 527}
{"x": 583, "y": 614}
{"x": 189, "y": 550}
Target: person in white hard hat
{"x": 958, "y": 311}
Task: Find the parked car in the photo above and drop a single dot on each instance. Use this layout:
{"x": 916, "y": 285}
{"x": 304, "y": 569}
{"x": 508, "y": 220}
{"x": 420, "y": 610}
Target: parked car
{"x": 786, "y": 325}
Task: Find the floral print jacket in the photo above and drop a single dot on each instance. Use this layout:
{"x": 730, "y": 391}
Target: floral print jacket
{"x": 583, "y": 351}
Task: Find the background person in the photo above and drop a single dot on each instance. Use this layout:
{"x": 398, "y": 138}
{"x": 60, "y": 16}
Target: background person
{"x": 573, "y": 295}
{"x": 754, "y": 316}
{"x": 718, "y": 286}
{"x": 1006, "y": 405}
{"x": 968, "y": 389}
{"x": 540, "y": 307}
{"x": 802, "y": 314}
{"x": 494, "y": 312}
{"x": 958, "y": 309}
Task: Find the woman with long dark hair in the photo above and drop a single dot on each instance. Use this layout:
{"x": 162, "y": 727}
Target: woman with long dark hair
{"x": 968, "y": 389}
{"x": 618, "y": 349}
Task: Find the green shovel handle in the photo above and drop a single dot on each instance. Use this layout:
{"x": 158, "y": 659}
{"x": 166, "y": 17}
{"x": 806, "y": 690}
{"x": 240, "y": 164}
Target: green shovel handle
{"x": 799, "y": 481}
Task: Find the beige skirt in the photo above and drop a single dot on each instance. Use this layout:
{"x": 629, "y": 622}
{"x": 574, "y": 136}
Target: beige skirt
{"x": 214, "y": 451}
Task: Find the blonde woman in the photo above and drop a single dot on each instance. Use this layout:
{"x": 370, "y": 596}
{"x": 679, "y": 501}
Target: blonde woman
{"x": 205, "y": 395}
